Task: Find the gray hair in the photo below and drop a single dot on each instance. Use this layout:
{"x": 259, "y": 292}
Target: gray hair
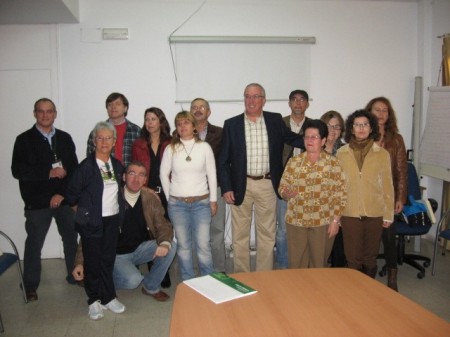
{"x": 257, "y": 85}
{"x": 103, "y": 126}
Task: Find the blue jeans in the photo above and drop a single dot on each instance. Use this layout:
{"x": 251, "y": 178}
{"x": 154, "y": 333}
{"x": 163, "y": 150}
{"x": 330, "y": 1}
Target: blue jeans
{"x": 192, "y": 222}
{"x": 127, "y": 276}
{"x": 280, "y": 239}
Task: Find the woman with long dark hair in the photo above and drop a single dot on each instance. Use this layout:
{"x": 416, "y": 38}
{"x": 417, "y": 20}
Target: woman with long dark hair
{"x": 392, "y": 141}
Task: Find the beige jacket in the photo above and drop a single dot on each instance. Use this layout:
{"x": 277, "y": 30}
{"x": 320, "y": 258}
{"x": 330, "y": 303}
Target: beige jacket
{"x": 369, "y": 192}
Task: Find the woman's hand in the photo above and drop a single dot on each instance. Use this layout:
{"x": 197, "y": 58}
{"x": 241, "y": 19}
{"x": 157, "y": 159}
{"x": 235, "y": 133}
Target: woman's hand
{"x": 386, "y": 224}
{"x": 333, "y": 229}
{"x": 398, "y": 207}
{"x": 213, "y": 207}
{"x": 289, "y": 193}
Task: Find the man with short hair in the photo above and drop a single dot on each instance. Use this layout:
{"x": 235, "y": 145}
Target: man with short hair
{"x": 43, "y": 160}
{"x": 117, "y": 107}
{"x": 145, "y": 235}
{"x": 250, "y": 171}
{"x": 213, "y": 136}
{"x": 296, "y": 122}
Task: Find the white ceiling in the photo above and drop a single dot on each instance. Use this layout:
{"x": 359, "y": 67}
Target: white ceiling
{"x": 16, "y": 12}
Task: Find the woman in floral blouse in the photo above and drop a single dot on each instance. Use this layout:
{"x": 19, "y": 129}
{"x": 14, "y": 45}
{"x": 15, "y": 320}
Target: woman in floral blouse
{"x": 314, "y": 186}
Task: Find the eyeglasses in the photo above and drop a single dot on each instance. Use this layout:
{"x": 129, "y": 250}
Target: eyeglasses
{"x": 134, "y": 174}
{"x": 361, "y": 125}
{"x": 104, "y": 139}
{"x": 301, "y": 100}
{"x": 198, "y": 107}
{"x": 253, "y": 96}
{"x": 315, "y": 137}
{"x": 336, "y": 127}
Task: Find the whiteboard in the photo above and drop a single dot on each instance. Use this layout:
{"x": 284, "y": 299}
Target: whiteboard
{"x": 220, "y": 71}
{"x": 435, "y": 146}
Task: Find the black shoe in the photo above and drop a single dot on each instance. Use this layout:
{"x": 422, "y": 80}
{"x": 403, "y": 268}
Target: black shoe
{"x": 165, "y": 283}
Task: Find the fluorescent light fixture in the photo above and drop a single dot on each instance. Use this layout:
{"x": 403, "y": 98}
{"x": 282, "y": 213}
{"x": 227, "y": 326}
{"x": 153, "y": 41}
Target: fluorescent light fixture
{"x": 243, "y": 39}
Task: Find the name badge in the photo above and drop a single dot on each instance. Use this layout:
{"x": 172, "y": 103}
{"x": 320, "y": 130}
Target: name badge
{"x": 57, "y": 164}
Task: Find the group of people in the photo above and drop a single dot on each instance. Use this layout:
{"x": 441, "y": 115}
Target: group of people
{"x": 143, "y": 195}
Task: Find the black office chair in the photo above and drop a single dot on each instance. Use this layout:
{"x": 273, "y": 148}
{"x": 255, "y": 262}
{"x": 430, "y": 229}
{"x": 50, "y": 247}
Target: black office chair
{"x": 6, "y": 261}
{"x": 405, "y": 230}
{"x": 442, "y": 231}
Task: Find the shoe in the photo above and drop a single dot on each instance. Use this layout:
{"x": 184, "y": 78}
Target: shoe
{"x": 165, "y": 283}
{"x": 95, "y": 311}
{"x": 160, "y": 296}
{"x": 115, "y": 306}
{"x": 392, "y": 278}
{"x": 31, "y": 295}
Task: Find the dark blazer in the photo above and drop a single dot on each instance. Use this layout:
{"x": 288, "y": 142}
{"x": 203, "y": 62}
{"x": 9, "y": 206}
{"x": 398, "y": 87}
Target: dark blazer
{"x": 233, "y": 155}
{"x": 214, "y": 139}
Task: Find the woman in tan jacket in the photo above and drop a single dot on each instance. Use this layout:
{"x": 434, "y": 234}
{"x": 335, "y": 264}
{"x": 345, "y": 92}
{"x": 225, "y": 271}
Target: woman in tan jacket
{"x": 370, "y": 193}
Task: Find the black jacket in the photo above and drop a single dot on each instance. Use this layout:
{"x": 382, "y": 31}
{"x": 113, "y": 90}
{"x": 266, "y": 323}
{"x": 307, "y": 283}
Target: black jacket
{"x": 32, "y": 161}
{"x": 85, "y": 190}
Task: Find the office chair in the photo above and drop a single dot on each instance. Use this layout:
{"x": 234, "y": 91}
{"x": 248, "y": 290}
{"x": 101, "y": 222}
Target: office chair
{"x": 6, "y": 261}
{"x": 404, "y": 230}
{"x": 442, "y": 231}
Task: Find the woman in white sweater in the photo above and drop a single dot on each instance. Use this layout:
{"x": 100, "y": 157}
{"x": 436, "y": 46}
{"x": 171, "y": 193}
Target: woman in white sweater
{"x": 188, "y": 178}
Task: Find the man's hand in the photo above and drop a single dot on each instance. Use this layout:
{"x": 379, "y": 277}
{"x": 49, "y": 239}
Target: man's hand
{"x": 56, "y": 201}
{"x": 57, "y": 172}
{"x": 161, "y": 251}
{"x": 78, "y": 272}
{"x": 229, "y": 197}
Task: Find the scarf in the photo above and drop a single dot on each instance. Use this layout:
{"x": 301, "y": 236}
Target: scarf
{"x": 360, "y": 149}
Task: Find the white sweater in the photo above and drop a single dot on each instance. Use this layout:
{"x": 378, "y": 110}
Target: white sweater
{"x": 182, "y": 178}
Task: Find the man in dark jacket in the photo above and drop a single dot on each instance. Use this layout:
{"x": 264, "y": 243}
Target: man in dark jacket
{"x": 145, "y": 235}
{"x": 43, "y": 160}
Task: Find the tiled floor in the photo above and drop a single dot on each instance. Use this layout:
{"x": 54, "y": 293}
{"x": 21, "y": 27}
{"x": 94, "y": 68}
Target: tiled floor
{"x": 62, "y": 309}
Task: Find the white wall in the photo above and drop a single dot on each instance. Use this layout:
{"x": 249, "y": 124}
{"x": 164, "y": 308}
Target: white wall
{"x": 364, "y": 49}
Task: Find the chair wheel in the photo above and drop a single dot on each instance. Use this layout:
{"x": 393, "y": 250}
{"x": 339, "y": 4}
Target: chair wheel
{"x": 420, "y": 275}
{"x": 426, "y": 264}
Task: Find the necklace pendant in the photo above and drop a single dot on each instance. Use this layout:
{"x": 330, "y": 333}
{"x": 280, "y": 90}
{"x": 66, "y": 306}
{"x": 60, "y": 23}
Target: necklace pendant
{"x": 188, "y": 158}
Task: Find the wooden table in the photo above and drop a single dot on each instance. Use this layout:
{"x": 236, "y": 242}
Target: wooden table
{"x": 305, "y": 302}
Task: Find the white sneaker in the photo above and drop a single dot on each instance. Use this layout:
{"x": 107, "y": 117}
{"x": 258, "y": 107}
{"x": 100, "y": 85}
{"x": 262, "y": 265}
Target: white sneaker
{"x": 115, "y": 306}
{"x": 96, "y": 311}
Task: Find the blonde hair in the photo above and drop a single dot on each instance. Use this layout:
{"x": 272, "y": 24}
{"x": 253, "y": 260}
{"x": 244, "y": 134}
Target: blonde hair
{"x": 175, "y": 136}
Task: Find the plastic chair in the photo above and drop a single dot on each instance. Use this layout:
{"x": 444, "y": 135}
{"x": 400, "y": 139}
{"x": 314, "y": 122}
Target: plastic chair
{"x": 6, "y": 261}
{"x": 442, "y": 231}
